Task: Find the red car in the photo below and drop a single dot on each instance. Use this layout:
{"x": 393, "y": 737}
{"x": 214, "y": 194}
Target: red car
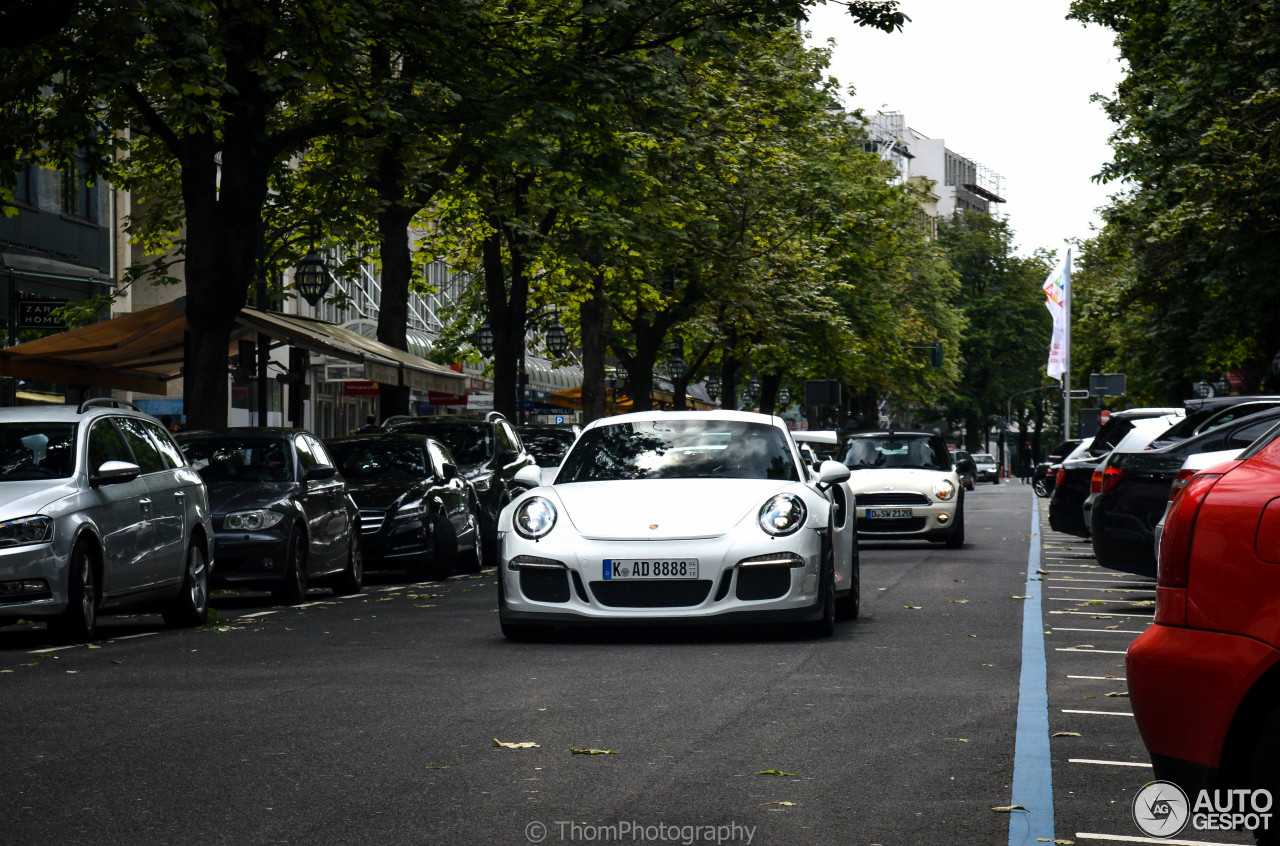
{"x": 1205, "y": 679}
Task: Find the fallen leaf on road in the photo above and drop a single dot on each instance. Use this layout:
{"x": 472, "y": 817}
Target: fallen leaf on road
{"x": 528, "y": 744}
{"x": 1065, "y": 734}
{"x": 1062, "y": 841}
{"x": 575, "y": 750}
{"x": 1116, "y": 626}
{"x": 93, "y": 646}
{"x": 962, "y": 740}
{"x": 775, "y": 773}
{"x": 1117, "y": 693}
{"x": 116, "y": 661}
{"x": 970, "y": 635}
{"x": 1043, "y": 572}
{"x": 1019, "y": 597}
{"x": 1083, "y": 646}
{"x": 988, "y": 665}
{"x": 960, "y": 601}
{"x": 72, "y": 671}
{"x": 913, "y": 607}
{"x": 434, "y": 767}
{"x": 1007, "y": 809}
{"x": 788, "y": 804}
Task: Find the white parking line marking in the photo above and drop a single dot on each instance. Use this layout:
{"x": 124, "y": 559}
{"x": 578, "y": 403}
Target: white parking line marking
{"x": 1101, "y": 581}
{"x": 1100, "y": 678}
{"x": 1105, "y": 590}
{"x": 389, "y": 589}
{"x": 1126, "y": 838}
{"x": 256, "y": 614}
{"x": 133, "y": 636}
{"x": 1099, "y": 631}
{"x": 1094, "y": 651}
{"x": 54, "y": 649}
{"x": 1101, "y": 614}
{"x": 1100, "y": 713}
{"x": 1107, "y": 763}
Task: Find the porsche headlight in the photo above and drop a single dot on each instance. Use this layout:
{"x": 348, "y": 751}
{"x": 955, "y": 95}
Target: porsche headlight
{"x": 944, "y": 490}
{"x": 252, "y": 521}
{"x": 782, "y": 515}
{"x": 534, "y": 518}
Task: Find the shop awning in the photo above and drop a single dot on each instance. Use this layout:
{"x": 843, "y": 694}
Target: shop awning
{"x": 144, "y": 350}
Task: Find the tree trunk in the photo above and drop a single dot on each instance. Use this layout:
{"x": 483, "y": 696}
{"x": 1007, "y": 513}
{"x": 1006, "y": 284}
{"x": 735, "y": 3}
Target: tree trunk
{"x": 596, "y": 324}
{"x": 504, "y": 360}
{"x": 728, "y": 388}
{"x": 769, "y": 383}
{"x": 393, "y": 307}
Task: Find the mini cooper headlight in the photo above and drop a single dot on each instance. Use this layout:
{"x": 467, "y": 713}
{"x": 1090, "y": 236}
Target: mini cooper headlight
{"x": 782, "y": 515}
{"x": 252, "y": 521}
{"x": 534, "y": 518}
{"x": 943, "y": 489}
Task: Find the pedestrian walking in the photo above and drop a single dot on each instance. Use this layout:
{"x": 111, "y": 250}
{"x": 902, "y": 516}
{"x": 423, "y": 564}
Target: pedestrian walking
{"x": 370, "y": 426}
{"x": 1027, "y": 462}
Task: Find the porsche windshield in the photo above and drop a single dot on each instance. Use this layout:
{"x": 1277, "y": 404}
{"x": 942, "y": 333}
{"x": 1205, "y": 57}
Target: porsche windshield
{"x": 680, "y": 449}
{"x": 910, "y": 451}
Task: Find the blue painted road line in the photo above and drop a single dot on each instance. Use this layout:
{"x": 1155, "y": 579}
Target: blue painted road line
{"x": 1032, "y": 766}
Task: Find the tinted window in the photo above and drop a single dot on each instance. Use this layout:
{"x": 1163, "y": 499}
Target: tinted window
{"x": 379, "y": 460}
{"x": 106, "y": 444}
{"x": 508, "y": 440}
{"x": 1246, "y": 435}
{"x": 306, "y": 461}
{"x": 680, "y": 449}
{"x": 144, "y": 451}
{"x": 470, "y": 443}
{"x": 168, "y": 449}
{"x": 321, "y": 454}
{"x": 37, "y": 451}
{"x": 548, "y": 446}
{"x": 439, "y": 457}
{"x": 916, "y": 451}
{"x": 237, "y": 459}
{"x": 1109, "y": 435}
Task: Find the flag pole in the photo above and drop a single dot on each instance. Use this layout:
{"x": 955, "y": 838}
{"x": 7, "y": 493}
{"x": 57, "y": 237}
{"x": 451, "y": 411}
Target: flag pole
{"x": 1066, "y": 373}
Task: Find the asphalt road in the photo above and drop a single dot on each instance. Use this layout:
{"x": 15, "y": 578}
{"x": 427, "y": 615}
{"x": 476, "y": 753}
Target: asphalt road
{"x": 373, "y": 719}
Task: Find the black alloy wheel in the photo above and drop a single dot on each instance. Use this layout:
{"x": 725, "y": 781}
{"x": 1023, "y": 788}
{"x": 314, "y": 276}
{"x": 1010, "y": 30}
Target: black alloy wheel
{"x": 79, "y": 622}
{"x": 294, "y": 589}
{"x": 191, "y": 606}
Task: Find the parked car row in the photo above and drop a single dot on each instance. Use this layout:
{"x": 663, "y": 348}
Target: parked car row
{"x": 1114, "y": 489}
{"x": 102, "y": 509}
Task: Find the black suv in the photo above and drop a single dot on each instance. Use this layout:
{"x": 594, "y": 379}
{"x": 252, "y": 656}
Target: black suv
{"x": 489, "y": 453}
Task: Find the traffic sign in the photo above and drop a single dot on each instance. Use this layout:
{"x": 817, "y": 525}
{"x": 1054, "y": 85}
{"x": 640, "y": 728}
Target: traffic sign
{"x": 1079, "y": 393}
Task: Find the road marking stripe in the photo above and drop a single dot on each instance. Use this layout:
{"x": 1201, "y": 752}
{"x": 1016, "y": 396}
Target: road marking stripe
{"x": 54, "y": 649}
{"x": 256, "y": 614}
{"x": 133, "y": 636}
{"x": 1103, "y": 613}
{"x": 1126, "y": 838}
{"x": 1099, "y": 631}
{"x": 1106, "y": 590}
{"x": 1094, "y": 651}
{"x": 1100, "y": 678}
{"x": 1107, "y": 763}
{"x": 1099, "y": 713}
{"x": 1032, "y": 764}
{"x": 389, "y": 589}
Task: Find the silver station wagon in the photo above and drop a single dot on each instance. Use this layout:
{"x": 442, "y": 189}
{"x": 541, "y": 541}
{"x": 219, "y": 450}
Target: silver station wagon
{"x": 98, "y": 511}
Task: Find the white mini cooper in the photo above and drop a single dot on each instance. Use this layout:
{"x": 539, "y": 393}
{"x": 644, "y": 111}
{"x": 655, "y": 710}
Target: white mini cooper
{"x": 905, "y": 487}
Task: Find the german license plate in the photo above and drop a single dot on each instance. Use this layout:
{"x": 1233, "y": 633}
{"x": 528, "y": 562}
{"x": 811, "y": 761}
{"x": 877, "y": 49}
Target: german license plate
{"x": 888, "y": 513}
{"x": 624, "y": 569}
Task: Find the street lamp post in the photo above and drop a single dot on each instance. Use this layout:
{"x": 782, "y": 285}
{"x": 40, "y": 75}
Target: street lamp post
{"x": 784, "y": 398}
{"x": 713, "y": 388}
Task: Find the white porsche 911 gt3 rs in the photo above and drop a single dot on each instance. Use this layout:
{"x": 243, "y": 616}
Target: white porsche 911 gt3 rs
{"x": 680, "y": 517}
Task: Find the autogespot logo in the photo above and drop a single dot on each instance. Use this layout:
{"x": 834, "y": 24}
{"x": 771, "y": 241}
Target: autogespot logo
{"x": 1161, "y": 809}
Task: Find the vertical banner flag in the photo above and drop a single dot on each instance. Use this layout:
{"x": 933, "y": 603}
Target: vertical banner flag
{"x": 1056, "y": 288}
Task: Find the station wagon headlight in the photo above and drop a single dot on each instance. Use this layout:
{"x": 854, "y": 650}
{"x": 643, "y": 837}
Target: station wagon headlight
{"x": 252, "y": 521}
{"x": 26, "y": 530}
{"x": 534, "y": 518}
{"x": 944, "y": 490}
{"x": 782, "y": 515}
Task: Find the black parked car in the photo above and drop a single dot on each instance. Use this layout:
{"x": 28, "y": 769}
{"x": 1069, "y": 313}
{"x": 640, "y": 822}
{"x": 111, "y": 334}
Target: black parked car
{"x": 416, "y": 510}
{"x": 1046, "y": 472}
{"x": 965, "y": 469}
{"x": 1134, "y": 490}
{"x": 282, "y": 517}
{"x": 1066, "y": 504}
{"x": 1206, "y": 414}
{"x": 549, "y": 443}
{"x": 489, "y": 454}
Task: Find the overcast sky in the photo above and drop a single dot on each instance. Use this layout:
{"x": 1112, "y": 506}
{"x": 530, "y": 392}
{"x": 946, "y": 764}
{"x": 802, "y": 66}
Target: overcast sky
{"x": 1007, "y": 84}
